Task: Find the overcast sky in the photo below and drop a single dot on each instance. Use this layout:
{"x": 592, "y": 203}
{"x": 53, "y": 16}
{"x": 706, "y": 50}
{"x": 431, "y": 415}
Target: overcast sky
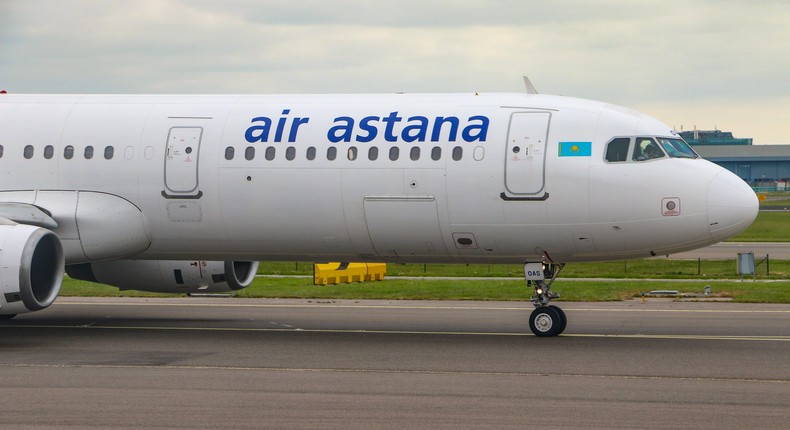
{"x": 722, "y": 63}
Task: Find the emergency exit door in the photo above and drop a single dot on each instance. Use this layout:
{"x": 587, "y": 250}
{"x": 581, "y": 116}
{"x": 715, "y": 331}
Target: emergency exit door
{"x": 525, "y": 158}
{"x": 181, "y": 162}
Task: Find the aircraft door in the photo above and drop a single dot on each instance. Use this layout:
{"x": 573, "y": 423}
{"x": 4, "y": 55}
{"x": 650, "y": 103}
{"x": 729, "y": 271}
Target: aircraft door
{"x": 525, "y": 158}
{"x": 181, "y": 162}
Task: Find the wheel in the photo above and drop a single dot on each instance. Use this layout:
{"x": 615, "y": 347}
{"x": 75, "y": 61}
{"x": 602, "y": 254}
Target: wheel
{"x": 563, "y": 318}
{"x": 6, "y": 317}
{"x": 545, "y": 322}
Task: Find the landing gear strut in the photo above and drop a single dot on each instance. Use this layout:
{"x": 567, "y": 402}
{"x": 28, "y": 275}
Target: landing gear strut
{"x": 546, "y": 320}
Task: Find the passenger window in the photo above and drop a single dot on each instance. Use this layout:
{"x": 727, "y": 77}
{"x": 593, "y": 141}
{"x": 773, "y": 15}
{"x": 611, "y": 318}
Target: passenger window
{"x": 229, "y": 153}
{"x": 352, "y": 153}
{"x": 68, "y": 152}
{"x": 49, "y": 151}
{"x": 646, "y": 149}
{"x": 414, "y": 154}
{"x": 458, "y": 153}
{"x": 617, "y": 150}
{"x": 394, "y": 153}
{"x": 28, "y": 153}
{"x": 311, "y": 153}
{"x": 436, "y": 153}
{"x": 108, "y": 152}
{"x": 270, "y": 153}
{"x": 249, "y": 153}
{"x": 331, "y": 153}
{"x": 373, "y": 153}
{"x": 290, "y": 153}
{"x": 88, "y": 152}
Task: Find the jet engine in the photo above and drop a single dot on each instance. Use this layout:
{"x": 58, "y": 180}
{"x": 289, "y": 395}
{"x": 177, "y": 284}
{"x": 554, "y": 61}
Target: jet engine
{"x": 166, "y": 276}
{"x": 31, "y": 268}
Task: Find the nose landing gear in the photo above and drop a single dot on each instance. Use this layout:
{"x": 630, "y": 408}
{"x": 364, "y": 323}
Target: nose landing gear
{"x": 546, "y": 320}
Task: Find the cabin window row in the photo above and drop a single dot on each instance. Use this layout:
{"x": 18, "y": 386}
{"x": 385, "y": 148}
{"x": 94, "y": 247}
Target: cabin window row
{"x": 29, "y": 151}
{"x": 351, "y": 153}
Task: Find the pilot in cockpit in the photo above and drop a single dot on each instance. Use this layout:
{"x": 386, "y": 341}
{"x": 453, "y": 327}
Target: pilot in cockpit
{"x": 652, "y": 151}
{"x": 647, "y": 149}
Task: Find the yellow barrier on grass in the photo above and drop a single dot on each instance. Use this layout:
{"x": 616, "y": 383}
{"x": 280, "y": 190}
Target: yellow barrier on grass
{"x": 340, "y": 273}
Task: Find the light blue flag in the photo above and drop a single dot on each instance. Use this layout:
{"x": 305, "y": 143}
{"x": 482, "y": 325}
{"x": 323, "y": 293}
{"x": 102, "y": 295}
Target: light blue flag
{"x": 575, "y": 149}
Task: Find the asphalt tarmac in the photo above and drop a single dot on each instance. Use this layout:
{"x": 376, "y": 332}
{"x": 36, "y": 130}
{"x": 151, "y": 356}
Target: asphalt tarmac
{"x": 244, "y": 363}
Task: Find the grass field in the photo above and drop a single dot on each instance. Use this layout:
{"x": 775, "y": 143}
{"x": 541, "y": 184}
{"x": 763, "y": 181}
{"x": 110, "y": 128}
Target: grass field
{"x": 768, "y": 227}
{"x": 432, "y": 289}
{"x": 776, "y": 199}
{"x": 628, "y": 279}
{"x": 654, "y": 268}
{"x": 783, "y": 203}
{"x": 720, "y": 275}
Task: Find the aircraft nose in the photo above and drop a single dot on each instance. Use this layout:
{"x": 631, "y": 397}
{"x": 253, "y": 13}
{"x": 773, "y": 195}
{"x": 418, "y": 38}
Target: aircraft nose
{"x": 732, "y": 205}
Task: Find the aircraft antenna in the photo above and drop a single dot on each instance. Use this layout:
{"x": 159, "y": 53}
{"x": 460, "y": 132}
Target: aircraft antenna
{"x": 530, "y": 88}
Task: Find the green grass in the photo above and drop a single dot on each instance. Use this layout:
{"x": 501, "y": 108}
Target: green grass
{"x": 432, "y": 289}
{"x": 504, "y": 290}
{"x": 768, "y": 227}
{"x": 776, "y": 203}
{"x": 659, "y": 268}
{"x": 774, "y": 199}
{"x": 77, "y": 288}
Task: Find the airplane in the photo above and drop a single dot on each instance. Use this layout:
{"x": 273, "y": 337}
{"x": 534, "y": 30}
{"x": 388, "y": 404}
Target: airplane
{"x": 186, "y": 193}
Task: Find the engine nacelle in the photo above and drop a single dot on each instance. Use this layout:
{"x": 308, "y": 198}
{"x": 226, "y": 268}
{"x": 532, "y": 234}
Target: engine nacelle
{"x": 31, "y": 268}
{"x": 166, "y": 276}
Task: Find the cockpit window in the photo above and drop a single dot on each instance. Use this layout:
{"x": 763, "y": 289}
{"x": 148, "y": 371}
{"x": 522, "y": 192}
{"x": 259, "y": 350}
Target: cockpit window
{"x": 646, "y": 149}
{"x": 617, "y": 150}
{"x": 677, "y": 148}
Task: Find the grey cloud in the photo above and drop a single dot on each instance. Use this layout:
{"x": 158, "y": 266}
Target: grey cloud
{"x": 625, "y": 52}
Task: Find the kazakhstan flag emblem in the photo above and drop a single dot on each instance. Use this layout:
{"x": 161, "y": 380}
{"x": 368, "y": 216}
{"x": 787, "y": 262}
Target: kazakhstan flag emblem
{"x": 575, "y": 149}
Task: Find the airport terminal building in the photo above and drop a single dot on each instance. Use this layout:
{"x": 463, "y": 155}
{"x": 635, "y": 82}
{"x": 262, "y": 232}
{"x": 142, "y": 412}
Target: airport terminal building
{"x": 766, "y": 167}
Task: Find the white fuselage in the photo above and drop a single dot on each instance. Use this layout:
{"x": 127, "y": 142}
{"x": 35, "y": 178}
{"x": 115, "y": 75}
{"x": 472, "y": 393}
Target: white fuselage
{"x": 477, "y": 178}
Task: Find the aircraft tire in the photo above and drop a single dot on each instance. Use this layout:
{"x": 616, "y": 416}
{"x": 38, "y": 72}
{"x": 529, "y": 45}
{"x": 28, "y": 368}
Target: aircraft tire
{"x": 545, "y": 321}
{"x": 563, "y": 318}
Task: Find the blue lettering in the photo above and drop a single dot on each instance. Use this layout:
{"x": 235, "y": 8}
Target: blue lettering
{"x": 437, "y": 128}
{"x": 346, "y": 130}
{"x": 278, "y": 134}
{"x": 414, "y": 132}
{"x": 258, "y": 133}
{"x": 390, "y": 120}
{"x": 295, "y": 127}
{"x": 365, "y": 125}
{"x": 482, "y": 129}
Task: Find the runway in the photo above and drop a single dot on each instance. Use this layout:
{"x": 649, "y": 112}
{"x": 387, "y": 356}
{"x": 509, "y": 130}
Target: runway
{"x": 243, "y": 363}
